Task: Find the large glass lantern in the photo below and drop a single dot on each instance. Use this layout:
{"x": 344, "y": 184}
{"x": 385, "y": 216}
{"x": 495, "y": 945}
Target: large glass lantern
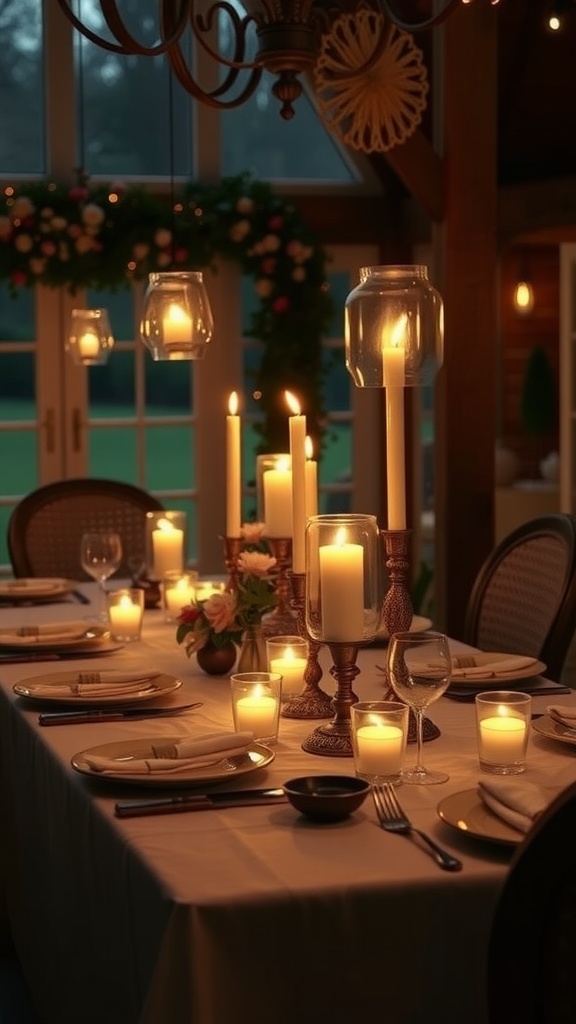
{"x": 394, "y": 328}
{"x": 176, "y": 319}
{"x": 90, "y": 339}
{"x": 344, "y": 593}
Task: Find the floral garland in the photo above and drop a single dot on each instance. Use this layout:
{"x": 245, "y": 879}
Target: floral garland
{"x": 107, "y": 236}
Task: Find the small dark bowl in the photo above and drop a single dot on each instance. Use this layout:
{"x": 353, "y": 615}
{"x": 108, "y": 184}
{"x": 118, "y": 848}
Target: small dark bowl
{"x": 326, "y": 797}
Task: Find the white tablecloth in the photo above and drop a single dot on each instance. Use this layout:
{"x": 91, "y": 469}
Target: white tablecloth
{"x": 245, "y": 914}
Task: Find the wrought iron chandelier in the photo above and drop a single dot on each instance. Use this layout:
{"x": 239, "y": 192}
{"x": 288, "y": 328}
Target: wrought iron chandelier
{"x": 287, "y": 32}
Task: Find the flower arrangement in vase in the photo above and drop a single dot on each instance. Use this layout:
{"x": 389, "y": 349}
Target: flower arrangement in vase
{"x": 232, "y": 619}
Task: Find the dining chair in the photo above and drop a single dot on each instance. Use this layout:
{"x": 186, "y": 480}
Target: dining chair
{"x": 532, "y": 946}
{"x": 524, "y": 597}
{"x": 45, "y": 528}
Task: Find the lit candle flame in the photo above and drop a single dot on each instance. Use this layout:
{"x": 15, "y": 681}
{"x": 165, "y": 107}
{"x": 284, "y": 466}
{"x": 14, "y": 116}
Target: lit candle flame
{"x": 398, "y": 333}
{"x": 340, "y": 538}
{"x": 233, "y": 403}
{"x": 309, "y": 447}
{"x": 165, "y": 525}
{"x": 293, "y": 403}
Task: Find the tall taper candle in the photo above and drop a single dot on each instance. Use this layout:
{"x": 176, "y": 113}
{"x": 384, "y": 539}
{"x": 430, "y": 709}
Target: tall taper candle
{"x": 233, "y": 486}
{"x": 311, "y": 481}
{"x": 394, "y": 358}
{"x": 297, "y": 425}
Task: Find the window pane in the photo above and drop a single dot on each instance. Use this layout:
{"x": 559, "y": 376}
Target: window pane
{"x": 120, "y": 306}
{"x": 21, "y": 85}
{"x": 112, "y": 387}
{"x": 121, "y": 135}
{"x": 19, "y": 453}
{"x": 170, "y": 458}
{"x": 16, "y": 314}
{"x": 168, "y": 388}
{"x": 113, "y": 454}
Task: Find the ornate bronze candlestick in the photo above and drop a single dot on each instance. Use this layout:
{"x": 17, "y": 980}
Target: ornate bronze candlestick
{"x": 398, "y": 612}
{"x": 312, "y": 702}
{"x": 232, "y": 547}
{"x": 281, "y": 621}
{"x": 334, "y": 739}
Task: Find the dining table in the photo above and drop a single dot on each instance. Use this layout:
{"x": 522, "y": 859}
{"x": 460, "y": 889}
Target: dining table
{"x": 237, "y": 914}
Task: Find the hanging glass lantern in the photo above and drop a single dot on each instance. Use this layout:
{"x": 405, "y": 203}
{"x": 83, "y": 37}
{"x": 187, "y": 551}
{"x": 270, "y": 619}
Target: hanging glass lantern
{"x": 176, "y": 320}
{"x": 394, "y": 309}
{"x": 90, "y": 340}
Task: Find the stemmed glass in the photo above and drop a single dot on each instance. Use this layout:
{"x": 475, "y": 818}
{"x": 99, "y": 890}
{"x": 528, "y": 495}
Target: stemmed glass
{"x": 100, "y": 556}
{"x": 419, "y": 670}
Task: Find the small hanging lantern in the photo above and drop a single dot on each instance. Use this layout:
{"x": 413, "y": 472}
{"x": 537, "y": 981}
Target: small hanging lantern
{"x": 176, "y": 320}
{"x": 90, "y": 339}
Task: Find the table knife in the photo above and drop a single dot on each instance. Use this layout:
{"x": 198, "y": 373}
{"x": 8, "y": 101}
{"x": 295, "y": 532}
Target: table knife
{"x": 112, "y": 715}
{"x": 199, "y": 802}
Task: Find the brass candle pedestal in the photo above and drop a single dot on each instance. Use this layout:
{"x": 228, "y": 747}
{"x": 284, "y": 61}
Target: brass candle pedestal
{"x": 398, "y": 613}
{"x": 334, "y": 739}
{"x": 312, "y": 702}
{"x": 281, "y": 621}
{"x": 232, "y": 548}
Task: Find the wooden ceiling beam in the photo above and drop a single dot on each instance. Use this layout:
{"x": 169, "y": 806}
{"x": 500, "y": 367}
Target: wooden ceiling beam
{"x": 419, "y": 168}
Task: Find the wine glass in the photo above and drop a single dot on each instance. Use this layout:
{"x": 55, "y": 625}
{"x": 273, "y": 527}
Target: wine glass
{"x": 419, "y": 669}
{"x": 100, "y": 556}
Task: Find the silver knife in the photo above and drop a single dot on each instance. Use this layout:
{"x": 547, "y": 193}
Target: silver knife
{"x": 110, "y": 715}
{"x": 199, "y": 802}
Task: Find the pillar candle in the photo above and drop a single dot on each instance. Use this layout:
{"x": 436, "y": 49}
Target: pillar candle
{"x": 297, "y": 428}
{"x": 176, "y": 326}
{"x": 257, "y": 714}
{"x": 278, "y": 501}
{"x": 292, "y": 669}
{"x": 311, "y": 481}
{"x": 342, "y": 590}
{"x": 394, "y": 358}
{"x": 502, "y": 739}
{"x": 233, "y": 477}
{"x": 178, "y": 594}
{"x": 88, "y": 345}
{"x": 167, "y": 548}
{"x": 125, "y": 616}
{"x": 380, "y": 749}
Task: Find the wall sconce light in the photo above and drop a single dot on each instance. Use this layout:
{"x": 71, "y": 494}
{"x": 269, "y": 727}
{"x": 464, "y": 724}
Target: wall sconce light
{"x": 90, "y": 340}
{"x": 176, "y": 320}
{"x": 523, "y": 298}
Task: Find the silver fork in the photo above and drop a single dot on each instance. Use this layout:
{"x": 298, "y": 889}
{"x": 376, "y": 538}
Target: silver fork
{"x": 392, "y": 819}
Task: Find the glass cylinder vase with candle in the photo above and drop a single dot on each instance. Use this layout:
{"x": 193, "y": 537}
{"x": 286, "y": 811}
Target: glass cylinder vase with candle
{"x": 503, "y": 727}
{"x": 256, "y": 700}
{"x": 288, "y": 655}
{"x": 177, "y": 320}
{"x": 379, "y": 736}
{"x": 125, "y": 612}
{"x": 165, "y": 543}
{"x": 178, "y": 590}
{"x": 90, "y": 339}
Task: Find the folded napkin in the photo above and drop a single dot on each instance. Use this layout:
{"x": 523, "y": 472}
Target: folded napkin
{"x": 517, "y": 803}
{"x": 488, "y": 664}
{"x": 564, "y": 714}
{"x": 38, "y": 586}
{"x": 172, "y": 758}
{"x": 52, "y": 631}
{"x": 95, "y": 684}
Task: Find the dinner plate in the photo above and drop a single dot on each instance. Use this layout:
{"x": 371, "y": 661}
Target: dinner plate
{"x": 546, "y": 726}
{"x": 419, "y": 624}
{"x": 467, "y": 812}
{"x": 87, "y": 638}
{"x": 35, "y": 688}
{"x": 35, "y": 589}
{"x": 499, "y": 682}
{"x": 258, "y": 756}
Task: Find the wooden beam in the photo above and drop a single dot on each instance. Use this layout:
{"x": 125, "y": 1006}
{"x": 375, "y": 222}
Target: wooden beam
{"x": 420, "y": 169}
{"x": 466, "y": 249}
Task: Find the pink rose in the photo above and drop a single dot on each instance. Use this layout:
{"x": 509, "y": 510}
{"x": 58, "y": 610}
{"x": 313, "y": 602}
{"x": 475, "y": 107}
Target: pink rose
{"x": 220, "y": 610}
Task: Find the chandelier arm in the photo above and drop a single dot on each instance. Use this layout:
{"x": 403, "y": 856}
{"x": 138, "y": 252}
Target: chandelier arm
{"x": 126, "y": 44}
{"x": 212, "y": 98}
{"x": 201, "y": 26}
{"x": 417, "y": 26}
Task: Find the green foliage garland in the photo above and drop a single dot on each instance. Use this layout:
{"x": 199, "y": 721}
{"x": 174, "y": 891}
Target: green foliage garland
{"x": 106, "y": 236}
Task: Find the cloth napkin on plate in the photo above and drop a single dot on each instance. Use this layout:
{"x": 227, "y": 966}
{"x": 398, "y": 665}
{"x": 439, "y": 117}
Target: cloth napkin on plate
{"x": 170, "y": 759}
{"x": 564, "y": 714}
{"x": 95, "y": 684}
{"x": 517, "y": 803}
{"x": 489, "y": 664}
{"x": 52, "y": 631}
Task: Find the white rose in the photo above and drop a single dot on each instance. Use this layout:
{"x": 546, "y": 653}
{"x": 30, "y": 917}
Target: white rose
{"x": 23, "y": 243}
{"x": 92, "y": 215}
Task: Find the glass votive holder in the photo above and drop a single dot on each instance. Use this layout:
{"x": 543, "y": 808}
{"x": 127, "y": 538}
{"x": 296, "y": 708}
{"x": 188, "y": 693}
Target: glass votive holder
{"x": 178, "y": 590}
{"x": 379, "y": 735}
{"x": 203, "y": 589}
{"x": 125, "y": 613}
{"x": 256, "y": 699}
{"x": 165, "y": 543}
{"x": 271, "y": 460}
{"x": 344, "y": 592}
{"x": 288, "y": 655}
{"x": 502, "y": 728}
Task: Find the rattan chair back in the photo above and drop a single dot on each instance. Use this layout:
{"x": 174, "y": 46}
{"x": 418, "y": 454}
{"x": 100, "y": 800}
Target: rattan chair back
{"x": 532, "y": 948}
{"x": 45, "y": 528}
{"x": 524, "y": 597}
